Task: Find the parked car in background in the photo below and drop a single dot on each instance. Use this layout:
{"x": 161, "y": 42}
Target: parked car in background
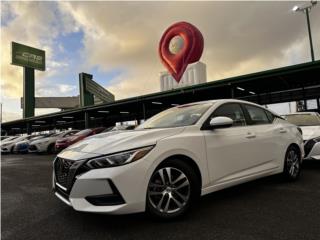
{"x": 65, "y": 142}
{"x": 5, "y": 137}
{"x": 7, "y": 146}
{"x": 8, "y": 139}
{"x": 47, "y": 144}
{"x": 309, "y": 122}
{"x": 120, "y": 128}
{"x": 166, "y": 163}
{"x": 23, "y": 146}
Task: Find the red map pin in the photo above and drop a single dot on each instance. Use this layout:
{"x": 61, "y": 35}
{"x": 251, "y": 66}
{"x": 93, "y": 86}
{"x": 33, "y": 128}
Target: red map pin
{"x": 180, "y": 45}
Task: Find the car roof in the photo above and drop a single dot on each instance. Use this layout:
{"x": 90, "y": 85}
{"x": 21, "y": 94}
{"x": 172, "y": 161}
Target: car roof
{"x": 227, "y": 100}
{"x": 221, "y": 101}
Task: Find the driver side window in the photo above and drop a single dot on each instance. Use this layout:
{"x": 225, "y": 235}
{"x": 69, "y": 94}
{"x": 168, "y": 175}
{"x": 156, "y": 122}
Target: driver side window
{"x": 231, "y": 110}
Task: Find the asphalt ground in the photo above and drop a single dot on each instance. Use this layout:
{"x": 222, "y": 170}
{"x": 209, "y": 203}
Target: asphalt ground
{"x": 269, "y": 208}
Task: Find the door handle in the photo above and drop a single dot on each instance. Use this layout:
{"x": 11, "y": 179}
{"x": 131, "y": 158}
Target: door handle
{"x": 282, "y": 130}
{"x": 250, "y": 135}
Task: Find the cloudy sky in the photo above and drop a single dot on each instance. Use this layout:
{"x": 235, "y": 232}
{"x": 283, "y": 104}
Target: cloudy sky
{"x": 117, "y": 42}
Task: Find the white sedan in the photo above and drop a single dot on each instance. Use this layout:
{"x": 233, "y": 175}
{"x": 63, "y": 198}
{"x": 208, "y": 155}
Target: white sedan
{"x": 309, "y": 122}
{"x": 166, "y": 163}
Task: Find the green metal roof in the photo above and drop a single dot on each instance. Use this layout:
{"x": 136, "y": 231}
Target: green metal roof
{"x": 280, "y": 80}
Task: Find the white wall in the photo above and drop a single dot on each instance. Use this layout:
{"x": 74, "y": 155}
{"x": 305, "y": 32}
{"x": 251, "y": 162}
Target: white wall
{"x": 195, "y": 73}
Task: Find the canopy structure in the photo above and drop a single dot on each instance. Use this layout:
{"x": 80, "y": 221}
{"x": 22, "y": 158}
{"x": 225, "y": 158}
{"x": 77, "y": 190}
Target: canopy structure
{"x": 294, "y": 83}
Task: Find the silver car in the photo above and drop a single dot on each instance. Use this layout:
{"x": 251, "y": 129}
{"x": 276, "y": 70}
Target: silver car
{"x": 309, "y": 122}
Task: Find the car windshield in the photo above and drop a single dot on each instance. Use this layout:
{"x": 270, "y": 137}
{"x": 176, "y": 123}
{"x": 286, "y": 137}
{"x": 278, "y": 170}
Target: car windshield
{"x": 21, "y": 138}
{"x": 303, "y": 119}
{"x": 184, "y": 115}
{"x": 37, "y": 137}
{"x": 56, "y": 134}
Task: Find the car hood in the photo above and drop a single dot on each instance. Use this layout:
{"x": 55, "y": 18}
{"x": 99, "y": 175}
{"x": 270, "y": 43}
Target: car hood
{"x": 7, "y": 142}
{"x": 309, "y": 132}
{"x": 64, "y": 139}
{"x": 49, "y": 139}
{"x": 118, "y": 141}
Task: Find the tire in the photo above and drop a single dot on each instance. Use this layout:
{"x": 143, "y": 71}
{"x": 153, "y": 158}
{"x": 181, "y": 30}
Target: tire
{"x": 292, "y": 163}
{"x": 51, "y": 149}
{"x": 171, "y": 197}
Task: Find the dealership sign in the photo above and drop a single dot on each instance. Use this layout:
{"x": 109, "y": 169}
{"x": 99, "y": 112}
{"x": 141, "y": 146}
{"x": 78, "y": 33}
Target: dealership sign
{"x": 26, "y": 56}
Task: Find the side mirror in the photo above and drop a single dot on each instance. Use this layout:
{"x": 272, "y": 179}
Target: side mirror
{"x": 220, "y": 122}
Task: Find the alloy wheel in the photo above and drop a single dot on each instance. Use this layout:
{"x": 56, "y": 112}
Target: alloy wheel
{"x": 169, "y": 190}
{"x": 293, "y": 163}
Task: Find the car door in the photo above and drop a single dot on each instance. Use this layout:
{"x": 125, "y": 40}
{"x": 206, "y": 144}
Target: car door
{"x": 229, "y": 149}
{"x": 268, "y": 143}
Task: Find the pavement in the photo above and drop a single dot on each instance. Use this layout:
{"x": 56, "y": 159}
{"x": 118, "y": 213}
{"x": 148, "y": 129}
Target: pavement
{"x": 268, "y": 208}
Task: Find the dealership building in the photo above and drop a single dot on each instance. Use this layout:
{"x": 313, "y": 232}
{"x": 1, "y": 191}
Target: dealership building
{"x": 293, "y": 83}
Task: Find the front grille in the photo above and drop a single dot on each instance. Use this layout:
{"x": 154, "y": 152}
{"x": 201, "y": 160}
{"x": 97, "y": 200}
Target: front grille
{"x": 308, "y": 146}
{"x": 62, "y": 171}
{"x": 66, "y": 171}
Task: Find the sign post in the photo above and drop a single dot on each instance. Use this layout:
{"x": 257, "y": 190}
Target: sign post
{"x": 28, "y": 92}
{"x": 30, "y": 59}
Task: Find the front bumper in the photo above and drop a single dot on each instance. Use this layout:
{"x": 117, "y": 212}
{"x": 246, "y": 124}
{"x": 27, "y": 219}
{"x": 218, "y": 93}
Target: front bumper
{"x": 61, "y": 146}
{"x": 6, "y": 149}
{"x": 21, "y": 148}
{"x": 312, "y": 149}
{"x": 36, "y": 148}
{"x": 117, "y": 190}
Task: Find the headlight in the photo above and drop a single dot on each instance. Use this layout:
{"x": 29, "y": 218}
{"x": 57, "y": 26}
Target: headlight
{"x": 119, "y": 159}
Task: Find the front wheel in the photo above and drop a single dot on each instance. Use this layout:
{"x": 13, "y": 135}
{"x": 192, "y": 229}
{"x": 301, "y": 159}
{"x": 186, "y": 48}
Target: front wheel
{"x": 173, "y": 187}
{"x": 292, "y": 164}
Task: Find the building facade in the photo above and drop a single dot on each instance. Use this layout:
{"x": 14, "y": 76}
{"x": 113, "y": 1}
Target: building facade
{"x": 195, "y": 73}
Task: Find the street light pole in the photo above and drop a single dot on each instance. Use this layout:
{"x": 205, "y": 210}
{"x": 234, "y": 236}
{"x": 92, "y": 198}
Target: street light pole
{"x": 309, "y": 31}
{"x": 306, "y": 9}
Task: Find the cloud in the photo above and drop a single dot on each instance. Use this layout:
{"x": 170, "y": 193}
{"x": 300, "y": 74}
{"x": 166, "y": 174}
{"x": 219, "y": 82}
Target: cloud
{"x": 9, "y": 116}
{"x": 36, "y": 24}
{"x": 240, "y": 37}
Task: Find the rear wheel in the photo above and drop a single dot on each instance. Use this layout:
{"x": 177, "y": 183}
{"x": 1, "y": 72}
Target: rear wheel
{"x": 172, "y": 189}
{"x": 292, "y": 164}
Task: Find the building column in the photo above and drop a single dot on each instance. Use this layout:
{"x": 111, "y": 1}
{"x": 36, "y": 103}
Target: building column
{"x": 86, "y": 120}
{"x": 144, "y": 111}
{"x": 29, "y": 128}
{"x": 231, "y": 91}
